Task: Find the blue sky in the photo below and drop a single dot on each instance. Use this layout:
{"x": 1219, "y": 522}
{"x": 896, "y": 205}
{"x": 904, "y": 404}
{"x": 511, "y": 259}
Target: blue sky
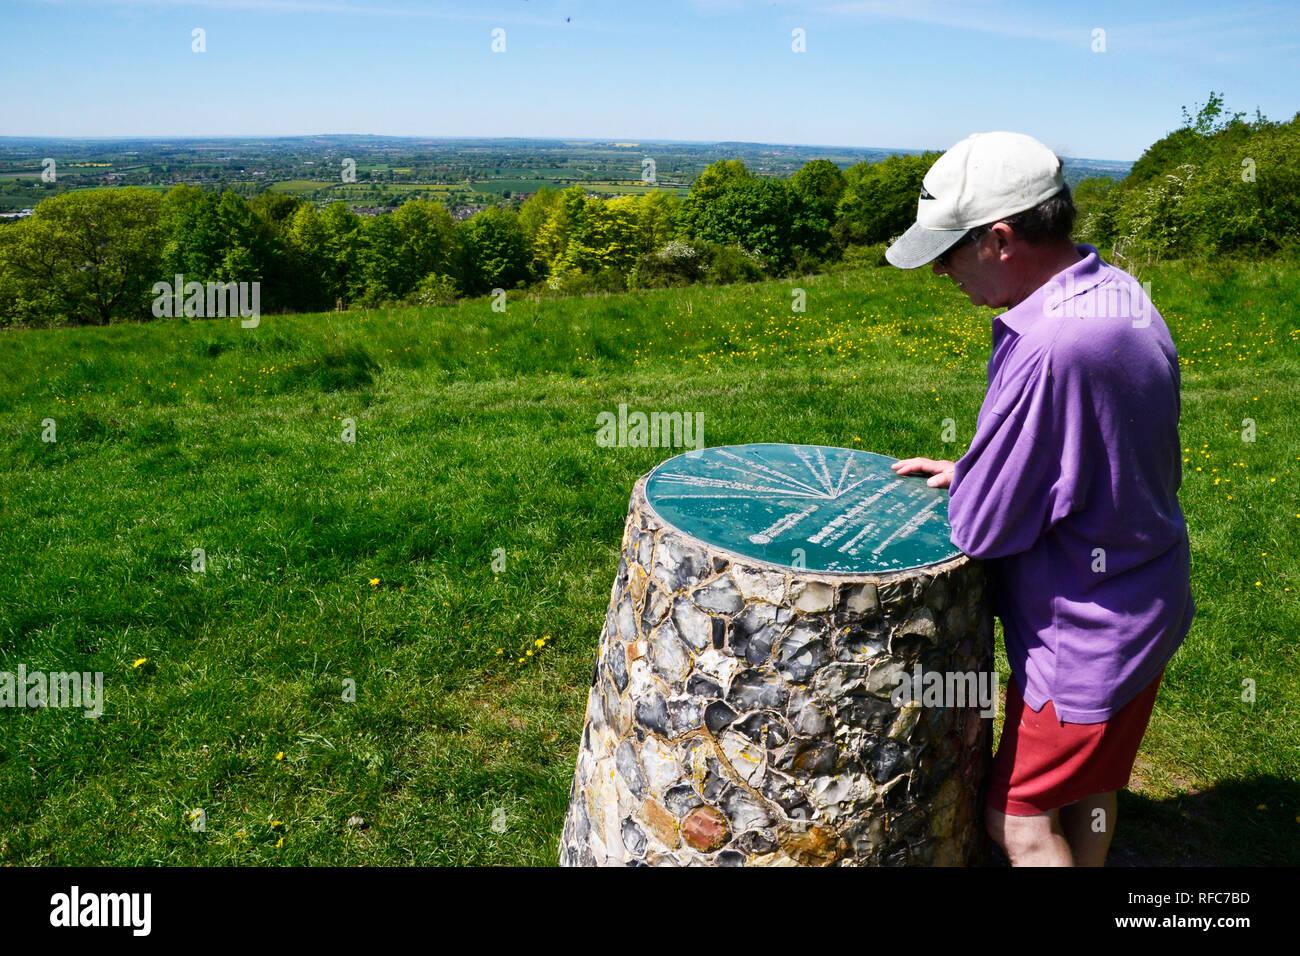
{"x": 906, "y": 74}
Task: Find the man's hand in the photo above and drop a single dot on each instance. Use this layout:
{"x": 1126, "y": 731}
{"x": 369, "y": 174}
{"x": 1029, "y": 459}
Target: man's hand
{"x": 940, "y": 471}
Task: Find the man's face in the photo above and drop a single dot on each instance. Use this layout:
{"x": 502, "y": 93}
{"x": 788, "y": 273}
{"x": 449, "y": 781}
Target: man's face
{"x": 976, "y": 268}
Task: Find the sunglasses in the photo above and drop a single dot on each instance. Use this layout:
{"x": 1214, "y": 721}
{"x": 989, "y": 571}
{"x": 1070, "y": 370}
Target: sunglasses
{"x": 974, "y": 235}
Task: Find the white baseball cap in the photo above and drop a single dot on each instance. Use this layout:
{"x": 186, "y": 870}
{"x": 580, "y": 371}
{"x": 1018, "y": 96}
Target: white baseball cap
{"x": 984, "y": 178}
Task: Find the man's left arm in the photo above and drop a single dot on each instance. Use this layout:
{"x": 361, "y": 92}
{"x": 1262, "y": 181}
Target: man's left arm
{"x": 1020, "y": 475}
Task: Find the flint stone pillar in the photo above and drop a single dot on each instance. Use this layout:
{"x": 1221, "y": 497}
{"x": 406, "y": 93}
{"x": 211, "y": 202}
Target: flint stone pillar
{"x": 741, "y": 710}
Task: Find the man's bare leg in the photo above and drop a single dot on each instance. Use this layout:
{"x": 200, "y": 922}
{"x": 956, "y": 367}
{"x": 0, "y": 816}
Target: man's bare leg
{"x": 1089, "y": 825}
{"x": 1030, "y": 841}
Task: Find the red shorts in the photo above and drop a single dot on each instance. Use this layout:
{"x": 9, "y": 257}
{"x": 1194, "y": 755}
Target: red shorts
{"x": 1044, "y": 763}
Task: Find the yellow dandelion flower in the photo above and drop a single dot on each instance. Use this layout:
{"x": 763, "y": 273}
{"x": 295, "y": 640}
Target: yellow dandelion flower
{"x": 529, "y": 652}
{"x": 141, "y": 660}
{"x": 279, "y": 843}
{"x": 374, "y": 582}
{"x": 280, "y": 755}
{"x": 539, "y": 643}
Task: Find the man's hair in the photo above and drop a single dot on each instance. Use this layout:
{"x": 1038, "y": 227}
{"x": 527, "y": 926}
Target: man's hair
{"x": 1051, "y": 219}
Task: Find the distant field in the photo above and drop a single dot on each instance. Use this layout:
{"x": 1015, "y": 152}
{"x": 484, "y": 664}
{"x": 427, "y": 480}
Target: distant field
{"x": 630, "y": 188}
{"x": 300, "y": 186}
{"x": 498, "y": 186}
{"x": 371, "y": 560}
{"x": 405, "y": 187}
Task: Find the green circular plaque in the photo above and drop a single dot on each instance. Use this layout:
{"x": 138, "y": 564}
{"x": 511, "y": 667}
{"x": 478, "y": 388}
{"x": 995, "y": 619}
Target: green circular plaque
{"x": 810, "y": 507}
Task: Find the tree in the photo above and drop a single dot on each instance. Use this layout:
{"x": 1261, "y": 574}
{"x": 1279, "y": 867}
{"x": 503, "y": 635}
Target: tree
{"x": 245, "y": 251}
{"x": 879, "y": 199}
{"x": 1190, "y": 144}
{"x": 816, "y": 187}
{"x": 495, "y": 251}
{"x": 1095, "y": 198}
{"x": 659, "y": 215}
{"x": 709, "y": 186}
{"x": 342, "y": 252}
{"x": 85, "y": 257}
{"x": 544, "y": 219}
{"x": 273, "y": 216}
{"x": 1203, "y": 124}
{"x": 427, "y": 242}
{"x": 193, "y": 240}
{"x": 1212, "y": 188}
{"x": 604, "y": 236}
{"x": 820, "y": 184}
{"x": 276, "y": 208}
{"x": 755, "y": 214}
{"x": 380, "y": 265}
{"x": 309, "y": 267}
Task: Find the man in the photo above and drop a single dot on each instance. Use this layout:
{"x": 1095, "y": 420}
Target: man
{"x": 1068, "y": 491}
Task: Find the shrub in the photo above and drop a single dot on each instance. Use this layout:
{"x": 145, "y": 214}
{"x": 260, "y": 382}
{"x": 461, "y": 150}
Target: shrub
{"x": 676, "y": 263}
{"x": 872, "y": 254}
{"x": 435, "y": 289}
{"x": 731, "y": 263}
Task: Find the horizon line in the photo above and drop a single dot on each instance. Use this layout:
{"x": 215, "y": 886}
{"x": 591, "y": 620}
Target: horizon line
{"x": 553, "y": 139}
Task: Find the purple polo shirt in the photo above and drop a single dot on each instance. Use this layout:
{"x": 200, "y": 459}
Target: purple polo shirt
{"x": 1069, "y": 492}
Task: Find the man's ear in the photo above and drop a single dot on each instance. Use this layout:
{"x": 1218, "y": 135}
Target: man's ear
{"x": 1005, "y": 241}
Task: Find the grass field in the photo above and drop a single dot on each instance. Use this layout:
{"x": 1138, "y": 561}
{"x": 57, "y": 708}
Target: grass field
{"x": 371, "y": 560}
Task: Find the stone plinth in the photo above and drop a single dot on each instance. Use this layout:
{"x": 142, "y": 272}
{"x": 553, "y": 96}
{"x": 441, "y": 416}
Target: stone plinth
{"x": 744, "y": 709}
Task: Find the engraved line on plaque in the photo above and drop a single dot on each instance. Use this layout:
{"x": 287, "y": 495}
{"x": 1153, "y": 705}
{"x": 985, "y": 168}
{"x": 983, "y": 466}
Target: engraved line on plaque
{"x": 764, "y": 469}
{"x": 789, "y": 521}
{"x": 839, "y": 487}
{"x": 728, "y": 484}
{"x": 839, "y": 526}
{"x": 869, "y": 528}
{"x": 908, "y": 526}
{"x": 824, "y": 475}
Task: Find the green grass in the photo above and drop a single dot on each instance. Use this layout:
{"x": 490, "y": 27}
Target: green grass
{"x": 475, "y": 431}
